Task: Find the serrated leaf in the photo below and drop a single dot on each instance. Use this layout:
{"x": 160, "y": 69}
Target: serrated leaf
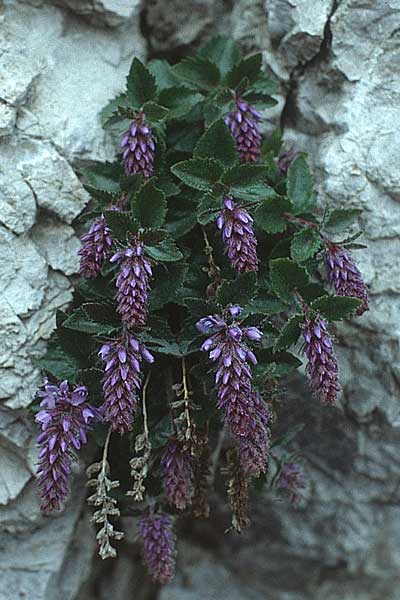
{"x": 305, "y": 244}
{"x": 265, "y": 84}
{"x": 164, "y": 251}
{"x": 242, "y": 176}
{"x": 154, "y": 112}
{"x": 80, "y": 321}
{"x": 238, "y": 291}
{"x": 208, "y": 208}
{"x": 120, "y": 223}
{"x": 253, "y": 192}
{"x": 198, "y": 173}
{"x": 272, "y": 143}
{"x": 140, "y": 84}
{"x": 104, "y": 177}
{"x": 248, "y": 68}
{"x": 269, "y": 216}
{"x": 260, "y": 99}
{"x": 264, "y": 305}
{"x": 179, "y": 100}
{"x": 111, "y": 109}
{"x": 197, "y": 71}
{"x": 149, "y": 206}
{"x": 168, "y": 280}
{"x": 60, "y": 364}
{"x": 199, "y": 307}
{"x": 214, "y": 110}
{"x": 289, "y": 333}
{"x": 221, "y": 51}
{"x": 217, "y": 142}
{"x": 162, "y": 71}
{"x": 341, "y": 218}
{"x": 286, "y": 276}
{"x": 336, "y": 308}
{"x": 300, "y": 185}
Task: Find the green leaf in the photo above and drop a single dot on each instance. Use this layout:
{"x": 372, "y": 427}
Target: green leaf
{"x": 264, "y": 305}
{"x": 120, "y": 223}
{"x": 289, "y": 333}
{"x": 214, "y": 110}
{"x": 242, "y": 176}
{"x": 199, "y": 307}
{"x": 104, "y": 177}
{"x": 254, "y": 192}
{"x": 217, "y": 142}
{"x": 336, "y": 308}
{"x": 221, "y": 51}
{"x": 60, "y": 364}
{"x": 341, "y": 218}
{"x": 111, "y": 109}
{"x": 269, "y": 216}
{"x": 154, "y": 111}
{"x": 248, "y": 68}
{"x": 198, "y": 173}
{"x": 181, "y": 223}
{"x": 149, "y": 205}
{"x": 239, "y": 291}
{"x": 272, "y": 143}
{"x": 165, "y": 251}
{"x": 265, "y": 84}
{"x": 287, "y": 276}
{"x": 167, "y": 283}
{"x": 162, "y": 71}
{"x": 207, "y": 208}
{"x": 179, "y": 100}
{"x": 80, "y": 321}
{"x": 199, "y": 72}
{"x": 300, "y": 185}
{"x": 261, "y": 99}
{"x": 305, "y": 244}
{"x": 140, "y": 84}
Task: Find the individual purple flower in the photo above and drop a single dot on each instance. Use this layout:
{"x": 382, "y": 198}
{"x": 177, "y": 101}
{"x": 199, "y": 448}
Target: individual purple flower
{"x": 345, "y": 277}
{"x": 138, "y": 147}
{"x": 291, "y": 480}
{"x": 285, "y": 160}
{"x": 156, "y": 532}
{"x": 65, "y": 418}
{"x": 228, "y": 348}
{"x": 243, "y": 124}
{"x": 132, "y": 284}
{"x": 177, "y": 475}
{"x": 322, "y": 367}
{"x": 96, "y": 248}
{"x": 122, "y": 380}
{"x": 254, "y": 446}
{"x": 238, "y": 236}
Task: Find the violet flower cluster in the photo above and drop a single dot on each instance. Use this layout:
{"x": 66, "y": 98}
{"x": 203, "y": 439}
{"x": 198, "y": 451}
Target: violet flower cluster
{"x": 345, "y": 277}
{"x": 132, "y": 284}
{"x": 122, "y": 380}
{"x": 96, "y": 248}
{"x": 244, "y": 411}
{"x": 138, "y": 148}
{"x": 291, "y": 480}
{"x": 177, "y": 475}
{"x": 64, "y": 418}
{"x": 243, "y": 124}
{"x": 322, "y": 366}
{"x": 159, "y": 545}
{"x": 238, "y": 236}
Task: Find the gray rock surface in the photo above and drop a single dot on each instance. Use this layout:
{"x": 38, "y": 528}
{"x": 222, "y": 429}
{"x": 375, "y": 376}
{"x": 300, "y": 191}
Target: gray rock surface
{"x": 338, "y": 65}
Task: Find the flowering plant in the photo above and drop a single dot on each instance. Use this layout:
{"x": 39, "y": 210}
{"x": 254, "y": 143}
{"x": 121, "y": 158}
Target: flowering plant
{"x": 205, "y": 259}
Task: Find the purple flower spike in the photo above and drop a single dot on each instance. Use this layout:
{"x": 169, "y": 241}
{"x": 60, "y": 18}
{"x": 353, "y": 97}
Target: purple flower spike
{"x": 254, "y": 447}
{"x": 229, "y": 351}
{"x": 132, "y": 284}
{"x": 177, "y": 474}
{"x": 322, "y": 367}
{"x": 96, "y": 248}
{"x": 122, "y": 380}
{"x": 345, "y": 277}
{"x": 64, "y": 418}
{"x": 138, "y": 147}
{"x": 291, "y": 480}
{"x": 156, "y": 531}
{"x": 238, "y": 236}
{"x": 285, "y": 160}
{"x": 243, "y": 124}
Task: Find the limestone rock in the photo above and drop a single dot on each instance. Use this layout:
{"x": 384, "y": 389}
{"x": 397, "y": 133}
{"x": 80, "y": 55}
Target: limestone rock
{"x": 109, "y": 12}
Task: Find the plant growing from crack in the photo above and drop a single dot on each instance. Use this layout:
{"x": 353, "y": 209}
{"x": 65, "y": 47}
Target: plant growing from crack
{"x": 207, "y": 259}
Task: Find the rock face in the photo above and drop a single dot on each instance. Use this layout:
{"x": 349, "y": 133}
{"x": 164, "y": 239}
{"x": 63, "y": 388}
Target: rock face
{"x": 338, "y": 64}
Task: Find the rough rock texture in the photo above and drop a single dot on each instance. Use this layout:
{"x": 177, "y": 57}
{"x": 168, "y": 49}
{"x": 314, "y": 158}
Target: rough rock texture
{"x": 338, "y": 62}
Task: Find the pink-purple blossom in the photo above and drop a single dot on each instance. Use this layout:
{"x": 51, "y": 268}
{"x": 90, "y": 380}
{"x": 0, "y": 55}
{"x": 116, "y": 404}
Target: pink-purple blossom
{"x": 345, "y": 277}
{"x": 159, "y": 545}
{"x": 243, "y": 124}
{"x": 238, "y": 236}
{"x": 177, "y": 475}
{"x": 65, "y": 418}
{"x": 138, "y": 148}
{"x": 96, "y": 248}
